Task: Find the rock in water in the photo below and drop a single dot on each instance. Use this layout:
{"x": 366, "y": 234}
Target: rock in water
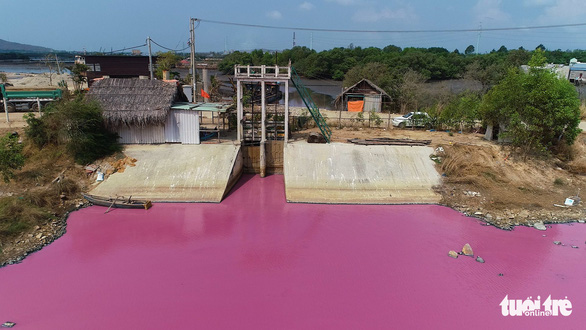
{"x": 467, "y": 250}
{"x": 453, "y": 254}
{"x": 539, "y": 226}
{"x": 480, "y": 260}
{"x": 557, "y": 242}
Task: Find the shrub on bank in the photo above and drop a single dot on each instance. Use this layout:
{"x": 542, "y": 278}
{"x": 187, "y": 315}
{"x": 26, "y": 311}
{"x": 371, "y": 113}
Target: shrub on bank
{"x": 78, "y": 125}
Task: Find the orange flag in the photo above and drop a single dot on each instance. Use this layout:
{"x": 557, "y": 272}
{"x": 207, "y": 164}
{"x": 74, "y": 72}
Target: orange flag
{"x": 204, "y": 94}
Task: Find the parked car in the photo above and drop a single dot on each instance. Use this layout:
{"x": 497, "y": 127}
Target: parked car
{"x": 413, "y": 119}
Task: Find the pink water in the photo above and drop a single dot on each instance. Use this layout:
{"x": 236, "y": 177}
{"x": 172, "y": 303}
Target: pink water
{"x": 256, "y": 262}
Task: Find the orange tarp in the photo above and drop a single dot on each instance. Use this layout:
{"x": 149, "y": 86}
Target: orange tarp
{"x": 355, "y": 106}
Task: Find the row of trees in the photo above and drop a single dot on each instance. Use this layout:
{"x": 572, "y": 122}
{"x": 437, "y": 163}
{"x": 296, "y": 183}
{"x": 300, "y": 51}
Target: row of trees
{"x": 537, "y": 112}
{"x": 434, "y": 63}
{"x": 541, "y": 112}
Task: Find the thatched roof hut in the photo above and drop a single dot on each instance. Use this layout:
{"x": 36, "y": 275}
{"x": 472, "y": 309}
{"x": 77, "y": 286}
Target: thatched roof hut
{"x": 135, "y": 102}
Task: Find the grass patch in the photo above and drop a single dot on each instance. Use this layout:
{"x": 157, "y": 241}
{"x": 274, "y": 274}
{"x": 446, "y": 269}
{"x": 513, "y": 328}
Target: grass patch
{"x": 18, "y": 214}
{"x": 559, "y": 182}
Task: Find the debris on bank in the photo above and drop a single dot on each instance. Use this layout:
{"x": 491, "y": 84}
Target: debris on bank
{"x": 390, "y": 142}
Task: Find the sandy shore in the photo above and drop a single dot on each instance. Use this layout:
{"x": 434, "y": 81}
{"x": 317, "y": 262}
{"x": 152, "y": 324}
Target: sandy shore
{"x": 37, "y": 80}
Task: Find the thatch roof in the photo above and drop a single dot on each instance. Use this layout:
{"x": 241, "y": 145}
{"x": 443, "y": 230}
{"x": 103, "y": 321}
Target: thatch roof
{"x": 134, "y": 102}
{"x": 358, "y": 88}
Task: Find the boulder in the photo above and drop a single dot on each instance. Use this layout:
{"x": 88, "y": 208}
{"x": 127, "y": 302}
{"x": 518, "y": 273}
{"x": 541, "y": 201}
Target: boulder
{"x": 315, "y": 137}
{"x": 467, "y": 250}
{"x": 453, "y": 254}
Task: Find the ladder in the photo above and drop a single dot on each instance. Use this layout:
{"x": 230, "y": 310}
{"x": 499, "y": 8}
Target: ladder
{"x": 311, "y": 106}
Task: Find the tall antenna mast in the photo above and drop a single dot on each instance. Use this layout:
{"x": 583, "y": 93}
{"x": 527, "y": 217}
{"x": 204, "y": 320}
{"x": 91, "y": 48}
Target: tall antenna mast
{"x": 478, "y": 41}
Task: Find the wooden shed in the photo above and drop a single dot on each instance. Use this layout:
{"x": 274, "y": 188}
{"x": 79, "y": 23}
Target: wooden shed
{"x": 139, "y": 110}
{"x": 364, "y": 96}
{"x": 114, "y": 66}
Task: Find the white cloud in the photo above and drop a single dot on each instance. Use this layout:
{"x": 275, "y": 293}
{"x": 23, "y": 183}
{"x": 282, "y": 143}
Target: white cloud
{"x": 565, "y": 9}
{"x": 537, "y": 3}
{"x": 344, "y": 2}
{"x": 375, "y": 15}
{"x": 490, "y": 11}
{"x": 306, "y": 6}
{"x": 274, "y": 14}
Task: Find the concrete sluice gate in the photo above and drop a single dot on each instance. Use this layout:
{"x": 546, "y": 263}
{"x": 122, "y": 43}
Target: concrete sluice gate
{"x": 353, "y": 174}
{"x": 176, "y": 173}
{"x": 314, "y": 173}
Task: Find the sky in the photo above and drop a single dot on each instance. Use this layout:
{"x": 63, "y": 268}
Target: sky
{"x": 108, "y": 25}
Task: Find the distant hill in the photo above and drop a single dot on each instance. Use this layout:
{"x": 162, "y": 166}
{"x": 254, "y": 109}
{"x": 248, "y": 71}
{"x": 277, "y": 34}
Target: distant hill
{"x": 7, "y": 46}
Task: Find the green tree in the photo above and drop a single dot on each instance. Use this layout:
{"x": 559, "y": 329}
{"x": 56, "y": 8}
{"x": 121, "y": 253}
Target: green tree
{"x": 469, "y": 50}
{"x": 540, "y": 111}
{"x": 166, "y": 62}
{"x": 78, "y": 75}
{"x": 461, "y": 112}
{"x": 78, "y": 125}
{"x": 11, "y": 157}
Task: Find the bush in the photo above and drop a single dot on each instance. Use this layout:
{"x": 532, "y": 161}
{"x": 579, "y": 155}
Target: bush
{"x": 11, "y": 157}
{"x": 374, "y": 117}
{"x": 540, "y": 111}
{"x": 78, "y": 125}
{"x": 18, "y": 215}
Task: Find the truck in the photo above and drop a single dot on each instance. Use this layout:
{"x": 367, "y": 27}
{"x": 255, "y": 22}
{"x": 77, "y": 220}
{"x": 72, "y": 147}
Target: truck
{"x": 27, "y": 99}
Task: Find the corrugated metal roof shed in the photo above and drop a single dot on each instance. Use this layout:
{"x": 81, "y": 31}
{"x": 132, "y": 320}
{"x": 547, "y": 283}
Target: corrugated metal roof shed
{"x": 211, "y": 107}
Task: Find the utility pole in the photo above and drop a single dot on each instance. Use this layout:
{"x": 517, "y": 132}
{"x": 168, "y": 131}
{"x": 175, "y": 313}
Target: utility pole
{"x": 311, "y": 42}
{"x": 192, "y": 58}
{"x": 293, "y": 39}
{"x": 478, "y": 41}
{"x": 150, "y": 57}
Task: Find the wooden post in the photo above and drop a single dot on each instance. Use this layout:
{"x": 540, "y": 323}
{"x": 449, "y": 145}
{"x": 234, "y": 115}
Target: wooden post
{"x": 263, "y": 138}
{"x": 340, "y": 120}
{"x": 39, "y": 106}
{"x": 6, "y": 110}
{"x": 239, "y": 110}
{"x": 389, "y": 120}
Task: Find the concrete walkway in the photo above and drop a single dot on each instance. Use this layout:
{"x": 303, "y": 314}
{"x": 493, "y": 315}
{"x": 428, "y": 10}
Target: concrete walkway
{"x": 345, "y": 173}
{"x": 174, "y": 172}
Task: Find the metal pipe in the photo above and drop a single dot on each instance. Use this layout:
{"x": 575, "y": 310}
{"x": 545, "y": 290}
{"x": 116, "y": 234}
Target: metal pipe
{"x": 263, "y": 139}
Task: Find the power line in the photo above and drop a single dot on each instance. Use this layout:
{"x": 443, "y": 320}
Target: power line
{"x": 173, "y": 50}
{"x": 393, "y": 31}
{"x": 121, "y": 50}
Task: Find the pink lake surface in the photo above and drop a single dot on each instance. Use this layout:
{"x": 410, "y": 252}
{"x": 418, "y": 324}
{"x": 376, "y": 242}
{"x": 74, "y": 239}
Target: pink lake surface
{"x": 256, "y": 262}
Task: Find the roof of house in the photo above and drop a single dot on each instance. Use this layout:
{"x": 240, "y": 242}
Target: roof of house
{"x": 353, "y": 88}
{"x": 135, "y": 102}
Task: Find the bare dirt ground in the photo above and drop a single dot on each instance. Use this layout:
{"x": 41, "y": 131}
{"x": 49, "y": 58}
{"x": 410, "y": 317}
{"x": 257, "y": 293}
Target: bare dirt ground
{"x": 37, "y": 80}
{"x": 484, "y": 179}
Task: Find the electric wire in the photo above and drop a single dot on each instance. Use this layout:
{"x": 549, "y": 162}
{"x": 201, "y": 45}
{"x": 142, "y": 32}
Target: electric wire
{"x": 128, "y": 48}
{"x": 173, "y": 50}
{"x": 392, "y": 31}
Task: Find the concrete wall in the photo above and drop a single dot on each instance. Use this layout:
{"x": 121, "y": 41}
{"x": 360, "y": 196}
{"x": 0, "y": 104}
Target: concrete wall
{"x": 343, "y": 173}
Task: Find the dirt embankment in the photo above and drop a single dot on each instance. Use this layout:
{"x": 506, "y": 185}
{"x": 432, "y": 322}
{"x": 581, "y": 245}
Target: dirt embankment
{"x": 483, "y": 179}
{"x": 34, "y": 205}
